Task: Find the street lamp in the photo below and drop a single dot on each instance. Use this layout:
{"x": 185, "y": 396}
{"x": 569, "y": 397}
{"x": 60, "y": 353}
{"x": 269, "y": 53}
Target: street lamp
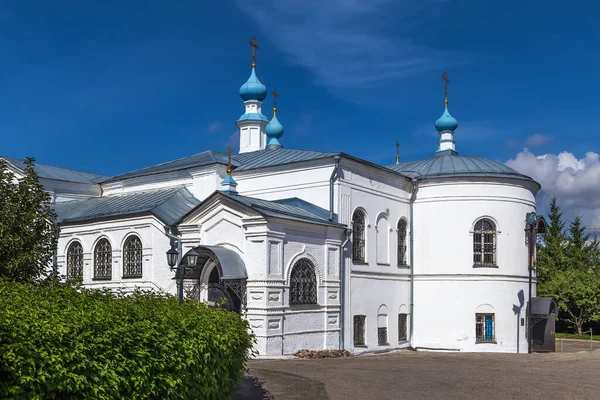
{"x": 191, "y": 258}
{"x": 172, "y": 255}
{"x": 535, "y": 225}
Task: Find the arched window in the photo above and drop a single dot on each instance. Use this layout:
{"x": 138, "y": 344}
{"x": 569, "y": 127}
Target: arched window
{"x": 132, "y": 257}
{"x": 303, "y": 283}
{"x": 75, "y": 262}
{"x": 103, "y": 260}
{"x": 484, "y": 243}
{"x": 358, "y": 236}
{"x": 402, "y": 262}
{"x": 382, "y": 323}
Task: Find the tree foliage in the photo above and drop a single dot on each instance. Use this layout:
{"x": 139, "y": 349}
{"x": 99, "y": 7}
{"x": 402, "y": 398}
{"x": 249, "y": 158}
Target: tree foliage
{"x": 567, "y": 268}
{"x": 65, "y": 342}
{"x": 28, "y": 234}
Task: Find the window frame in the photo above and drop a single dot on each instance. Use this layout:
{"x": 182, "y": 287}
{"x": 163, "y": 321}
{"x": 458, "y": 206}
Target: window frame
{"x": 402, "y": 323}
{"x": 362, "y": 332}
{"x": 485, "y": 243}
{"x": 126, "y": 254}
{"x": 359, "y": 237}
{"x": 481, "y": 328}
{"x": 402, "y": 248}
{"x": 296, "y": 287}
{"x": 70, "y": 277}
{"x": 108, "y": 275}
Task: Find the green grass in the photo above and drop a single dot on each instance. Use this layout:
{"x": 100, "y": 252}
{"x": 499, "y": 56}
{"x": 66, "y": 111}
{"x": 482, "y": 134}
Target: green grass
{"x": 580, "y": 337}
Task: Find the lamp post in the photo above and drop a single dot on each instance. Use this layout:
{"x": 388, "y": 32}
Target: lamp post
{"x": 535, "y": 224}
{"x": 177, "y": 264}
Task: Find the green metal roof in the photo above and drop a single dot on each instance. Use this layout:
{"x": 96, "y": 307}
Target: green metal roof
{"x": 196, "y": 160}
{"x": 168, "y": 205}
{"x": 456, "y": 166}
{"x": 58, "y": 173}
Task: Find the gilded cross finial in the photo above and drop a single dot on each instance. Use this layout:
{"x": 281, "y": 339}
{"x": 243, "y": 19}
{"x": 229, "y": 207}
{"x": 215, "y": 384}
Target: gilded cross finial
{"x": 229, "y": 151}
{"x": 397, "y": 152}
{"x": 275, "y": 96}
{"x": 254, "y": 46}
{"x": 446, "y": 82}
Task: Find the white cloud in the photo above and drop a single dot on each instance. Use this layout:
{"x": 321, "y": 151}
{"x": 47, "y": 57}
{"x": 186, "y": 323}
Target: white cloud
{"x": 537, "y": 140}
{"x": 342, "y": 41}
{"x": 575, "y": 182}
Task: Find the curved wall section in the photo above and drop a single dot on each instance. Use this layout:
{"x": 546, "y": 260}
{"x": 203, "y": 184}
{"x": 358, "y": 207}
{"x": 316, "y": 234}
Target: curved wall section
{"x": 451, "y": 288}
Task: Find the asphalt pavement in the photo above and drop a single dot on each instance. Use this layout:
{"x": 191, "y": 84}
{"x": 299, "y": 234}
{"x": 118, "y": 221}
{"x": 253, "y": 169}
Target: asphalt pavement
{"x": 428, "y": 375}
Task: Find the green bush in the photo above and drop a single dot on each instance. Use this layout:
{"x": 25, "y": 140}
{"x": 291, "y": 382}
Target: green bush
{"x": 64, "y": 342}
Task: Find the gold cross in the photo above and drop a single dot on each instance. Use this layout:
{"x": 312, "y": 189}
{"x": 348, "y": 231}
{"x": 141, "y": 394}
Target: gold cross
{"x": 254, "y": 46}
{"x": 397, "y": 152}
{"x": 229, "y": 151}
{"x": 275, "y": 96}
{"x": 446, "y": 82}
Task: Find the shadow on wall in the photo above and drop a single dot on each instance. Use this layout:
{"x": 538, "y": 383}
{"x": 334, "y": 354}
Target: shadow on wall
{"x": 517, "y": 310}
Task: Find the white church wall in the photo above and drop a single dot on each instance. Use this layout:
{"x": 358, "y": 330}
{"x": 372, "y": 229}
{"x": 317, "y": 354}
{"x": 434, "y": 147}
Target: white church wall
{"x": 288, "y": 328}
{"x": 448, "y": 287}
{"x": 307, "y": 181}
{"x": 383, "y": 196}
{"x": 155, "y": 272}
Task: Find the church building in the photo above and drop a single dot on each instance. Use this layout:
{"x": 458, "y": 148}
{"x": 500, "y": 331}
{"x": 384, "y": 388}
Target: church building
{"x": 317, "y": 250}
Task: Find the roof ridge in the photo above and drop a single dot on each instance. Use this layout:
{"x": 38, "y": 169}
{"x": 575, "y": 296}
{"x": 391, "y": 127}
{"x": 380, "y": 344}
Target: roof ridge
{"x": 12, "y": 159}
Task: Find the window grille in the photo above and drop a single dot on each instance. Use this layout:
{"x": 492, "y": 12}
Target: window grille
{"x": 359, "y": 330}
{"x": 484, "y": 328}
{"x": 132, "y": 257}
{"x": 75, "y": 262}
{"x": 484, "y": 243}
{"x": 402, "y": 331}
{"x": 303, "y": 283}
{"x": 358, "y": 236}
{"x": 402, "y": 262}
{"x": 382, "y": 337}
{"x": 103, "y": 260}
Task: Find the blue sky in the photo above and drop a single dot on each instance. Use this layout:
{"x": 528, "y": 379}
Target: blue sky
{"x": 111, "y": 86}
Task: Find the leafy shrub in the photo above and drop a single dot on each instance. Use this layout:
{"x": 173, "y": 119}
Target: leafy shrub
{"x": 65, "y": 342}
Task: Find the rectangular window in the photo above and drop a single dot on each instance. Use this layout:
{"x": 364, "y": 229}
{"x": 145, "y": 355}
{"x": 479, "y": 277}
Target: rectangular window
{"x": 484, "y": 328}
{"x": 382, "y": 338}
{"x": 359, "y": 330}
{"x": 402, "y": 331}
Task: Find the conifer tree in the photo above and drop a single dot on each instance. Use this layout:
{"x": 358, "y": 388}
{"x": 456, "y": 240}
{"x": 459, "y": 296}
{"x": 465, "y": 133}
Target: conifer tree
{"x": 566, "y": 270}
{"x": 28, "y": 233}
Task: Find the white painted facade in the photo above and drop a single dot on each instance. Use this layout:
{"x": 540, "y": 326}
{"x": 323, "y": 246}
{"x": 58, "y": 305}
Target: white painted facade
{"x": 448, "y": 290}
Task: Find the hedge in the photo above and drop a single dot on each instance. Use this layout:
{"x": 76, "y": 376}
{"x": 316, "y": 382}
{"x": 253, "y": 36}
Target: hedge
{"x": 64, "y": 342}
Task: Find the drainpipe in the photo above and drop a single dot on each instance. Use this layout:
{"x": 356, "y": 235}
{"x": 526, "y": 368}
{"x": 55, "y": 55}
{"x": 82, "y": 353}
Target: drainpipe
{"x": 331, "y": 180}
{"x": 347, "y": 233}
{"x": 415, "y": 184}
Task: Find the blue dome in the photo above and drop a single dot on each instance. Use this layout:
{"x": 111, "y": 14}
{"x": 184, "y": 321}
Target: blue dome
{"x": 446, "y": 122}
{"x": 456, "y": 166}
{"x": 274, "y": 129}
{"x": 253, "y": 89}
{"x": 229, "y": 180}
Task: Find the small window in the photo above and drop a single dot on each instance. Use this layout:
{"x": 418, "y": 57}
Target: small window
{"x": 484, "y": 243}
{"x": 382, "y": 326}
{"x": 103, "y": 260}
{"x": 303, "y": 283}
{"x": 402, "y": 325}
{"x": 402, "y": 262}
{"x": 358, "y": 236}
{"x": 484, "y": 328}
{"x": 382, "y": 337}
{"x": 359, "y": 330}
{"x": 132, "y": 257}
{"x": 75, "y": 262}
